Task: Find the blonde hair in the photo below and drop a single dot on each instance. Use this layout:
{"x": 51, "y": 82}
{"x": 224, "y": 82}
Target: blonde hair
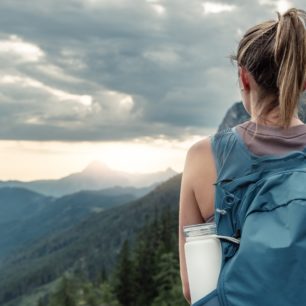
{"x": 274, "y": 52}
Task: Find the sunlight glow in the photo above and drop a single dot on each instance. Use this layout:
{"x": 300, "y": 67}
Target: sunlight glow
{"x": 51, "y": 159}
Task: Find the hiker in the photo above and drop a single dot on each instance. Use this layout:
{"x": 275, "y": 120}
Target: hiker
{"x": 271, "y": 64}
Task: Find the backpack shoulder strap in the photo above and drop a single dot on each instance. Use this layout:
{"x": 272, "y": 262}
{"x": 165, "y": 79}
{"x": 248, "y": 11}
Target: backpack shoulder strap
{"x": 219, "y": 142}
{"x": 227, "y": 149}
{"x": 232, "y": 163}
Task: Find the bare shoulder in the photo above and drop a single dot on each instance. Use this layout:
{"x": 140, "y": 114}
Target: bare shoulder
{"x": 201, "y": 152}
{"x": 201, "y": 145}
{"x": 200, "y": 174}
{"x": 200, "y": 163}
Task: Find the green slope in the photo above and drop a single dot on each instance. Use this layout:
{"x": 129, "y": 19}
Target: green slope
{"x": 26, "y": 216}
{"x": 95, "y": 242}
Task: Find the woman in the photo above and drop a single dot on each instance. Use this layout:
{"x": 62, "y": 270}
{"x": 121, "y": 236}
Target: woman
{"x": 271, "y": 60}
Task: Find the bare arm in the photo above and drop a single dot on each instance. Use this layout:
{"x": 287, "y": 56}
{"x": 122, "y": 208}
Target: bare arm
{"x": 196, "y": 196}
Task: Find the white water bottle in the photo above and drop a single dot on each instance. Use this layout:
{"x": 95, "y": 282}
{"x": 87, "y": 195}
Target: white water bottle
{"x": 203, "y": 259}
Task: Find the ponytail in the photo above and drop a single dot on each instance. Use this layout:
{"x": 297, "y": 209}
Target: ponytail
{"x": 290, "y": 57}
{"x": 274, "y": 52}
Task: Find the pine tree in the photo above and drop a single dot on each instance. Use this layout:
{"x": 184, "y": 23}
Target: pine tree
{"x": 167, "y": 230}
{"x": 107, "y": 295}
{"x": 168, "y": 283}
{"x": 124, "y": 277}
{"x": 102, "y": 276}
{"x": 66, "y": 294}
{"x": 41, "y": 302}
{"x": 146, "y": 265}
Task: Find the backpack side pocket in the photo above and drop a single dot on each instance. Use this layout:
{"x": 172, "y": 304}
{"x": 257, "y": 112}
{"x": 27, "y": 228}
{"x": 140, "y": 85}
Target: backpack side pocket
{"x": 209, "y": 300}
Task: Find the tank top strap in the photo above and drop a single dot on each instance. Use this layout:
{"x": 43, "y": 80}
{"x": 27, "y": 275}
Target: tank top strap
{"x": 231, "y": 161}
{"x": 231, "y": 158}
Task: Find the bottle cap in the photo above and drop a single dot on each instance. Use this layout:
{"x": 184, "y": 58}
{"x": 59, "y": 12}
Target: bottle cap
{"x": 202, "y": 229}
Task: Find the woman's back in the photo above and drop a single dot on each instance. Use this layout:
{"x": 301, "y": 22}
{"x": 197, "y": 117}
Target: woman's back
{"x": 235, "y": 150}
{"x": 271, "y": 62}
{"x": 262, "y": 200}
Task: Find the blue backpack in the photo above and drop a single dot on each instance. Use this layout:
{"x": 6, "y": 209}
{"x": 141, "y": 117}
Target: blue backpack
{"x": 262, "y": 201}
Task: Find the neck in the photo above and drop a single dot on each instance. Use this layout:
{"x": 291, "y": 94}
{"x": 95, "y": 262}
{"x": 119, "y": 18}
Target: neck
{"x": 271, "y": 119}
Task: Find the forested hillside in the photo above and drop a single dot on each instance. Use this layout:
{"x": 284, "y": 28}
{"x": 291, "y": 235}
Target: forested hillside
{"x": 92, "y": 245}
{"x": 27, "y": 216}
{"x": 146, "y": 273}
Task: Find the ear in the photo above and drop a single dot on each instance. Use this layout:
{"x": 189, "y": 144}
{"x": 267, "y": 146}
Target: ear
{"x": 244, "y": 77}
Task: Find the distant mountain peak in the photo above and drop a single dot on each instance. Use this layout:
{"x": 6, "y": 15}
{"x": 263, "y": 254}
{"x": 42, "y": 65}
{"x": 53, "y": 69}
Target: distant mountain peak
{"x": 95, "y": 176}
{"x": 96, "y": 167}
{"x": 169, "y": 170}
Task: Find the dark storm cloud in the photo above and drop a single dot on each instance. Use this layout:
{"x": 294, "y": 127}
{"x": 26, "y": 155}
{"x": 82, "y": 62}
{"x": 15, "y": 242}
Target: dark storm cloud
{"x": 105, "y": 70}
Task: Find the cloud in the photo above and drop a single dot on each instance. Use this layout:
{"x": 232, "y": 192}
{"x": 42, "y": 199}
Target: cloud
{"x": 112, "y": 70}
{"x": 19, "y": 49}
{"x": 280, "y": 5}
{"x": 163, "y": 56}
{"x": 216, "y": 8}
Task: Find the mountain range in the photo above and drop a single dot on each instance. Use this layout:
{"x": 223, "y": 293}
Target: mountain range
{"x": 94, "y": 242}
{"x": 84, "y": 230}
{"x": 95, "y": 176}
{"x": 27, "y": 216}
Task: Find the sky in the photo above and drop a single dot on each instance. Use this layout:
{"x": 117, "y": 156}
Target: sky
{"x": 132, "y": 83}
